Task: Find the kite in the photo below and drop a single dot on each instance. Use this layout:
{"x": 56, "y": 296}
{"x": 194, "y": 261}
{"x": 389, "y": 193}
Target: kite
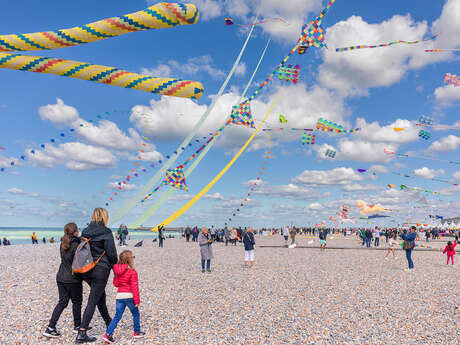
{"x": 289, "y": 73}
{"x": 432, "y": 179}
{"x": 398, "y": 129}
{"x": 377, "y": 216}
{"x": 399, "y": 155}
{"x": 283, "y": 119}
{"x": 425, "y": 121}
{"x": 313, "y": 34}
{"x": 369, "y": 209}
{"x": 175, "y": 178}
{"x": 308, "y": 139}
{"x": 2, "y": 148}
{"x": 451, "y": 79}
{"x": 441, "y": 50}
{"x": 162, "y": 15}
{"x": 288, "y": 129}
{"x": 330, "y": 153}
{"x": 241, "y": 115}
{"x": 327, "y": 126}
{"x": 197, "y": 197}
{"x": 230, "y": 21}
{"x": 424, "y": 134}
{"x": 385, "y": 44}
{"x": 132, "y": 202}
{"x": 403, "y": 187}
{"x": 361, "y": 170}
{"x": 391, "y": 186}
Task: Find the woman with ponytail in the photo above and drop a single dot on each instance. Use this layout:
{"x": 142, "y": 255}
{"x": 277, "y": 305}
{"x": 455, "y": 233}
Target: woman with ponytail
{"x": 69, "y": 285}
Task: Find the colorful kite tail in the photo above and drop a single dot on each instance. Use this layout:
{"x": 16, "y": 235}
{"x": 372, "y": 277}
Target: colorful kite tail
{"x": 158, "y": 16}
{"x": 102, "y": 74}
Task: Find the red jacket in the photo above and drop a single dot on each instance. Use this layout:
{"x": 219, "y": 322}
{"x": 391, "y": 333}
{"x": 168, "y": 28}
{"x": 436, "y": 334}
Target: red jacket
{"x": 126, "y": 281}
{"x": 450, "y": 249}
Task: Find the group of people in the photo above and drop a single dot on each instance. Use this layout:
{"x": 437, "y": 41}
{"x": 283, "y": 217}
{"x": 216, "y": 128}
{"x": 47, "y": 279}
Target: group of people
{"x": 35, "y": 239}
{"x": 104, "y": 258}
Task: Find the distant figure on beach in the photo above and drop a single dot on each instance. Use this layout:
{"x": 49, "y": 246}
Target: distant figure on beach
{"x": 119, "y": 235}
{"x": 6, "y": 242}
{"x": 161, "y": 235}
{"x": 450, "y": 250}
{"x": 187, "y": 232}
{"x": 205, "y": 242}
{"x": 233, "y": 236}
{"x": 391, "y": 246}
{"x": 104, "y": 253}
{"x": 127, "y": 282}
{"x": 195, "y": 234}
{"x": 249, "y": 242}
{"x": 409, "y": 245}
{"x": 34, "y": 238}
{"x": 44, "y": 240}
{"x": 69, "y": 285}
{"x": 376, "y": 236}
{"x": 286, "y": 235}
{"x": 52, "y": 240}
{"x": 293, "y": 233}
{"x": 322, "y": 239}
{"x": 124, "y": 234}
{"x": 227, "y": 235}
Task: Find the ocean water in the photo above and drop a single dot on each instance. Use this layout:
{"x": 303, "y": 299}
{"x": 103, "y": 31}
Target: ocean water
{"x": 21, "y": 235}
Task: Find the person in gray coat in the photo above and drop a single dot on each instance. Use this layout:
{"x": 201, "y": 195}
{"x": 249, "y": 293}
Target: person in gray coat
{"x": 205, "y": 242}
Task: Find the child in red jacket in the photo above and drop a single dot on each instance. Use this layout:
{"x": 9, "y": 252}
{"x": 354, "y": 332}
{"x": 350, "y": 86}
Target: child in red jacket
{"x": 128, "y": 295}
{"x": 450, "y": 250}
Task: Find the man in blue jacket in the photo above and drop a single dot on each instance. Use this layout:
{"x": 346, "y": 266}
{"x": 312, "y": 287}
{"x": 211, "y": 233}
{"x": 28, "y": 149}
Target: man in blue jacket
{"x": 249, "y": 242}
{"x": 409, "y": 245}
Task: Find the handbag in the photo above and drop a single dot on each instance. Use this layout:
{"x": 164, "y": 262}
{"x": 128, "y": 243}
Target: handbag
{"x": 408, "y": 245}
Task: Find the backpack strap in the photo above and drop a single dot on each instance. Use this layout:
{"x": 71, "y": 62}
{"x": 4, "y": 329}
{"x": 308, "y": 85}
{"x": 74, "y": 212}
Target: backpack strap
{"x": 96, "y": 262}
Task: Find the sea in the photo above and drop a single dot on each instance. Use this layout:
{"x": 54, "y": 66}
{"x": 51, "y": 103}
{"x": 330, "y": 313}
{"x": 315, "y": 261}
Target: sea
{"x": 21, "y": 235}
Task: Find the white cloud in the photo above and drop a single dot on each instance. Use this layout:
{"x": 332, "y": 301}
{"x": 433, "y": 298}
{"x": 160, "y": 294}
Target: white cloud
{"x": 359, "y": 187}
{"x": 315, "y": 206}
{"x": 446, "y": 95}
{"x": 428, "y": 173}
{"x": 192, "y": 66}
{"x": 449, "y": 143}
{"x": 125, "y": 187}
{"x": 240, "y": 69}
{"x": 456, "y": 176}
{"x": 290, "y": 191}
{"x": 363, "y": 151}
{"x": 5, "y": 162}
{"x": 59, "y": 113}
{"x": 17, "y": 191}
{"x": 337, "y": 176}
{"x": 374, "y": 132}
{"x": 74, "y": 155}
{"x": 215, "y": 196}
{"x": 378, "y": 169}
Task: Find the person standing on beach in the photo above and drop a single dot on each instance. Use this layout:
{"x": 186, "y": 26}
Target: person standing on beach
{"x": 103, "y": 249}
{"x": 188, "y": 232}
{"x": 409, "y": 245}
{"x": 161, "y": 236}
{"x": 286, "y": 235}
{"x": 293, "y": 233}
{"x": 376, "y": 236}
{"x": 69, "y": 284}
{"x": 391, "y": 246}
{"x": 233, "y": 236}
{"x": 450, "y": 250}
{"x": 227, "y": 235}
{"x": 249, "y": 242}
{"x": 119, "y": 235}
{"x": 34, "y": 238}
{"x": 205, "y": 242}
{"x": 322, "y": 239}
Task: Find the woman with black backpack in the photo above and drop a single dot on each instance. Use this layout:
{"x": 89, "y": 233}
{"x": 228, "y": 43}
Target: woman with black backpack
{"x": 69, "y": 285}
{"x": 104, "y": 255}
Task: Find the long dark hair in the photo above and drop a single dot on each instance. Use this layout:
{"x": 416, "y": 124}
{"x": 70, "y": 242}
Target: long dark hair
{"x": 69, "y": 229}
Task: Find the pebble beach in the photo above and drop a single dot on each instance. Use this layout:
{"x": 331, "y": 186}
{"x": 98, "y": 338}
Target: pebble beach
{"x": 292, "y": 296}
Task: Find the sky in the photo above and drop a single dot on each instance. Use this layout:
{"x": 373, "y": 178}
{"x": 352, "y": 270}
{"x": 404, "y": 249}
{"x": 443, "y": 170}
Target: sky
{"x": 372, "y": 89}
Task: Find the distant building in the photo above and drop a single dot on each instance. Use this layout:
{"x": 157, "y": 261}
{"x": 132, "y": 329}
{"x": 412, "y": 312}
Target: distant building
{"x": 455, "y": 220}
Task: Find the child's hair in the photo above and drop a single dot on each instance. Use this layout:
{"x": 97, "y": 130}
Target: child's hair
{"x": 69, "y": 229}
{"x": 449, "y": 243}
{"x": 126, "y": 258}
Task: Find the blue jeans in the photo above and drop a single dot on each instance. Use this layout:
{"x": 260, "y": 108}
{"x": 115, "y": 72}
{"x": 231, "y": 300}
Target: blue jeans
{"x": 160, "y": 242}
{"x": 409, "y": 258}
{"x": 368, "y": 242}
{"x": 376, "y": 241}
{"x": 208, "y": 264}
{"x": 120, "y": 309}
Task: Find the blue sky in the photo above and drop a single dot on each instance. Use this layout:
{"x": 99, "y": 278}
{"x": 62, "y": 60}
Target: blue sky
{"x": 375, "y": 89}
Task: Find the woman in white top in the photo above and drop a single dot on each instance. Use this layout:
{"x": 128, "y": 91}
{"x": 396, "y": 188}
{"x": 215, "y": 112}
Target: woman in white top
{"x": 391, "y": 246}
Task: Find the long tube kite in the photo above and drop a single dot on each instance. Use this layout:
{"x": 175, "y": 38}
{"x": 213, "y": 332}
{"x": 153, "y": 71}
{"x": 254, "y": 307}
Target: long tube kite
{"x": 152, "y": 209}
{"x": 162, "y": 15}
{"x": 197, "y": 197}
{"x": 132, "y": 202}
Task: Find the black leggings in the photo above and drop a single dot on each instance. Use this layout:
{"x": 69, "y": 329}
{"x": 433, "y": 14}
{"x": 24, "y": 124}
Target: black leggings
{"x": 97, "y": 280}
{"x": 74, "y": 292}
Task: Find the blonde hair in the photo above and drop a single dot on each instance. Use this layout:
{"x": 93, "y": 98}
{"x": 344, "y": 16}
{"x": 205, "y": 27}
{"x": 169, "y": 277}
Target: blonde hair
{"x": 126, "y": 258}
{"x": 100, "y": 215}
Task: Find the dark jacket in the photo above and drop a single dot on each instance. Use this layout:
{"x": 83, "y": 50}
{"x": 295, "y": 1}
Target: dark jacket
{"x": 101, "y": 239}
{"x": 64, "y": 274}
{"x": 410, "y": 236}
{"x": 249, "y": 241}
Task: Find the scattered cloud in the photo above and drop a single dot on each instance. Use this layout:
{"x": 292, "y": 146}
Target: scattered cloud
{"x": 17, "y": 191}
{"x": 336, "y": 176}
{"x": 449, "y": 143}
{"x": 428, "y": 173}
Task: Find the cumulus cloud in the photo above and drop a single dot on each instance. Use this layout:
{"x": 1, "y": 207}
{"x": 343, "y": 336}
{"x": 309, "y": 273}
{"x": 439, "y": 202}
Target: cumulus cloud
{"x": 316, "y": 206}
{"x": 59, "y": 113}
{"x": 125, "y": 187}
{"x": 428, "y": 173}
{"x": 17, "y": 191}
{"x": 290, "y": 191}
{"x": 376, "y": 133}
{"x": 357, "y": 187}
{"x": 449, "y": 143}
{"x": 446, "y": 95}
{"x": 74, "y": 155}
{"x": 337, "y": 176}
{"x": 214, "y": 196}
{"x": 363, "y": 151}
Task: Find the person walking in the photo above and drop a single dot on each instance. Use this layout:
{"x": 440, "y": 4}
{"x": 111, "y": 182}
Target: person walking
{"x": 104, "y": 253}
{"x": 322, "y": 239}
{"x": 233, "y": 236}
{"x": 376, "y": 236}
{"x": 188, "y": 232}
{"x": 249, "y": 243}
{"x": 409, "y": 245}
{"x": 286, "y": 235}
{"x": 205, "y": 242}
{"x": 69, "y": 285}
{"x": 450, "y": 250}
{"x": 161, "y": 235}
{"x": 195, "y": 234}
{"x": 293, "y": 234}
{"x": 124, "y": 233}
{"x": 391, "y": 246}
{"x": 127, "y": 282}
{"x": 227, "y": 235}
{"x": 34, "y": 238}
{"x": 368, "y": 238}
{"x": 120, "y": 235}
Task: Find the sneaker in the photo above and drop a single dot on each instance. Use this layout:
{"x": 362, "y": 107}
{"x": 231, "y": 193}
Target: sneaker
{"x": 202, "y": 271}
{"x": 138, "y": 335}
{"x": 108, "y": 339}
{"x": 209, "y": 271}
{"x": 51, "y": 333}
{"x": 77, "y": 328}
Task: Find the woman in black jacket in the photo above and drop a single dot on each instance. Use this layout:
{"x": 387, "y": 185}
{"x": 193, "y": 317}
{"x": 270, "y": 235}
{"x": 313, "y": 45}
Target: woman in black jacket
{"x": 102, "y": 246}
{"x": 69, "y": 286}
